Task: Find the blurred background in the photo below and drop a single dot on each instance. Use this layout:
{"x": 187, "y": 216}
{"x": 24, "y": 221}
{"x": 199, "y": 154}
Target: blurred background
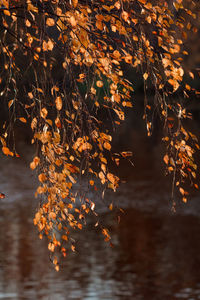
{"x": 156, "y": 253}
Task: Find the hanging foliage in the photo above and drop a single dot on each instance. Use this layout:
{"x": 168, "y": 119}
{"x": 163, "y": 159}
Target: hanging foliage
{"x": 62, "y": 68}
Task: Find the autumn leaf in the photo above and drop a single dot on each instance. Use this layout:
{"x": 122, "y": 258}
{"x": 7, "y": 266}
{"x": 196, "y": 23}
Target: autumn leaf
{"x": 23, "y": 120}
{"x": 182, "y": 191}
{"x": 107, "y": 146}
{"x": 145, "y": 76}
{"x": 50, "y": 22}
{"x": 166, "y": 159}
{"x": 58, "y": 102}
{"x": 44, "y": 113}
{"x": 2, "y": 196}
{"x": 99, "y": 83}
{"x": 35, "y": 162}
{"x": 10, "y": 103}
{"x": 67, "y": 68}
{"x": 28, "y": 23}
{"x": 42, "y": 177}
{"x": 7, "y": 152}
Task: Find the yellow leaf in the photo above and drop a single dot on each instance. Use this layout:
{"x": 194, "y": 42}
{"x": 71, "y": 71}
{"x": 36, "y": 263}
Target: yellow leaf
{"x": 57, "y": 268}
{"x": 184, "y": 199}
{"x": 145, "y": 76}
{"x": 135, "y": 38}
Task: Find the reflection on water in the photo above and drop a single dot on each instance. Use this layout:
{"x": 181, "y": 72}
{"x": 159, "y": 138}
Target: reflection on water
{"x": 156, "y": 253}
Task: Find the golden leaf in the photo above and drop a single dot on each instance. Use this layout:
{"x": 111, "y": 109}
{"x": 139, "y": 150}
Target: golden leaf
{"x": 23, "y": 120}
{"x": 52, "y": 215}
{"x": 72, "y": 21}
{"x": 44, "y": 113}
{"x": 7, "y": 152}
{"x": 35, "y": 162}
{"x": 107, "y": 146}
{"x": 10, "y": 103}
{"x": 32, "y": 8}
{"x": 50, "y": 22}
{"x": 42, "y": 177}
{"x": 120, "y": 114}
{"x": 111, "y": 178}
{"x": 102, "y": 177}
{"x": 75, "y": 3}
{"x": 111, "y": 206}
{"x": 99, "y": 25}
{"x": 99, "y": 83}
{"x": 184, "y": 199}
{"x": 58, "y": 123}
{"x": 145, "y": 76}
{"x": 28, "y": 23}
{"x": 58, "y": 102}
{"x": 125, "y": 16}
{"x": 80, "y": 226}
{"x": 166, "y": 159}
{"x": 181, "y": 190}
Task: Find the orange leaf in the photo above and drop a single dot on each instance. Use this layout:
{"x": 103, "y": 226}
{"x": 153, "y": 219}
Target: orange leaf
{"x": 10, "y": 103}
{"x": 107, "y": 146}
{"x": 50, "y": 22}
{"x": 6, "y": 151}
{"x": 23, "y": 120}
{"x": 166, "y": 159}
{"x": 2, "y": 196}
{"x": 75, "y": 3}
{"x": 28, "y": 23}
{"x": 181, "y": 190}
{"x": 145, "y": 76}
{"x": 99, "y": 83}
{"x": 44, "y": 113}
{"x": 42, "y": 177}
{"x": 58, "y": 102}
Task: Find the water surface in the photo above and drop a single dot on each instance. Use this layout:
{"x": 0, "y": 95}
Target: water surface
{"x": 156, "y": 253}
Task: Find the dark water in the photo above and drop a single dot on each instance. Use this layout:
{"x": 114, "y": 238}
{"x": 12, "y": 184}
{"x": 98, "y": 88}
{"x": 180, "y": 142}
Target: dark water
{"x": 156, "y": 253}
